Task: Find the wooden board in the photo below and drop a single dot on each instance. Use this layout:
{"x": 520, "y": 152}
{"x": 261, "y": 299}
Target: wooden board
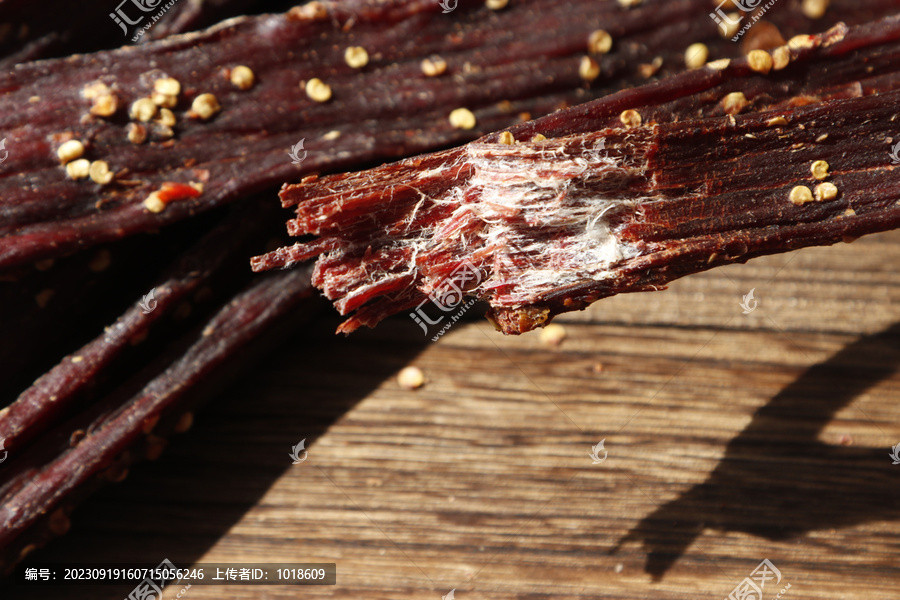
{"x": 731, "y": 438}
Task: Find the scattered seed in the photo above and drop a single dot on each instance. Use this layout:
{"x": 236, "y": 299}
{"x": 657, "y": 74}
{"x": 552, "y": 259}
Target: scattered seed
{"x": 814, "y": 9}
{"x": 137, "y": 134}
{"x": 332, "y": 135}
{"x": 822, "y": 137}
{"x": 588, "y": 69}
{"x": 411, "y": 378}
{"x": 164, "y": 100}
{"x": 77, "y": 359}
{"x": 69, "y": 151}
{"x": 155, "y": 447}
{"x": 630, "y": 118}
{"x": 719, "y": 65}
{"x": 462, "y": 118}
{"x": 105, "y": 105}
{"x": 182, "y": 312}
{"x": 78, "y": 169}
{"x": 507, "y": 138}
{"x": 184, "y": 422}
{"x": 801, "y": 195}
{"x": 801, "y": 42}
{"x": 318, "y": 90}
{"x": 150, "y": 424}
{"x": 204, "y": 106}
{"x": 356, "y": 57}
{"x": 167, "y": 117}
{"x": 776, "y": 122}
{"x": 781, "y": 57}
{"x": 143, "y": 109}
{"x": 101, "y": 261}
{"x": 100, "y": 173}
{"x": 553, "y": 334}
{"x": 95, "y": 90}
{"x": 826, "y": 191}
{"x": 648, "y": 70}
{"x": 59, "y": 523}
{"x": 154, "y": 203}
{"x": 760, "y": 61}
{"x": 599, "y": 42}
{"x": 819, "y": 169}
{"x": 695, "y": 56}
{"x": 734, "y": 103}
{"x": 629, "y": 3}
{"x": 434, "y": 66}
{"x": 167, "y": 86}
{"x": 538, "y": 137}
{"x": 116, "y": 473}
{"x": 44, "y": 264}
{"x": 242, "y": 77}
{"x": 43, "y": 297}
{"x": 76, "y": 437}
{"x": 496, "y": 4}
{"x": 313, "y": 11}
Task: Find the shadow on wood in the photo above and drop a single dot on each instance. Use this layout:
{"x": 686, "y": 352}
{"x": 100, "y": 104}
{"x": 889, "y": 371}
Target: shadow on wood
{"x": 777, "y": 480}
{"x": 238, "y": 448}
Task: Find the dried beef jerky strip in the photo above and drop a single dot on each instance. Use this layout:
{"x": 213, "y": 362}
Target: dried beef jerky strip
{"x": 54, "y": 392}
{"x": 630, "y": 192}
{"x": 59, "y": 28}
{"x": 32, "y": 493}
{"x": 385, "y": 109}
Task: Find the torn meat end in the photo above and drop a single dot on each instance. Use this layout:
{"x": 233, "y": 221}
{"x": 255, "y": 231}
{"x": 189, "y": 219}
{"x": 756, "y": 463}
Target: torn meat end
{"x": 521, "y": 221}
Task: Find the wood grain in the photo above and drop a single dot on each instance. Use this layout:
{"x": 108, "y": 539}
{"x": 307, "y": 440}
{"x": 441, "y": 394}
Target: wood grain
{"x": 731, "y": 438}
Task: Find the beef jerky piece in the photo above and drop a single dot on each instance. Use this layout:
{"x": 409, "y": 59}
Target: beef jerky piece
{"x": 630, "y": 192}
{"x": 33, "y": 494}
{"x": 54, "y": 393}
{"x": 236, "y": 138}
